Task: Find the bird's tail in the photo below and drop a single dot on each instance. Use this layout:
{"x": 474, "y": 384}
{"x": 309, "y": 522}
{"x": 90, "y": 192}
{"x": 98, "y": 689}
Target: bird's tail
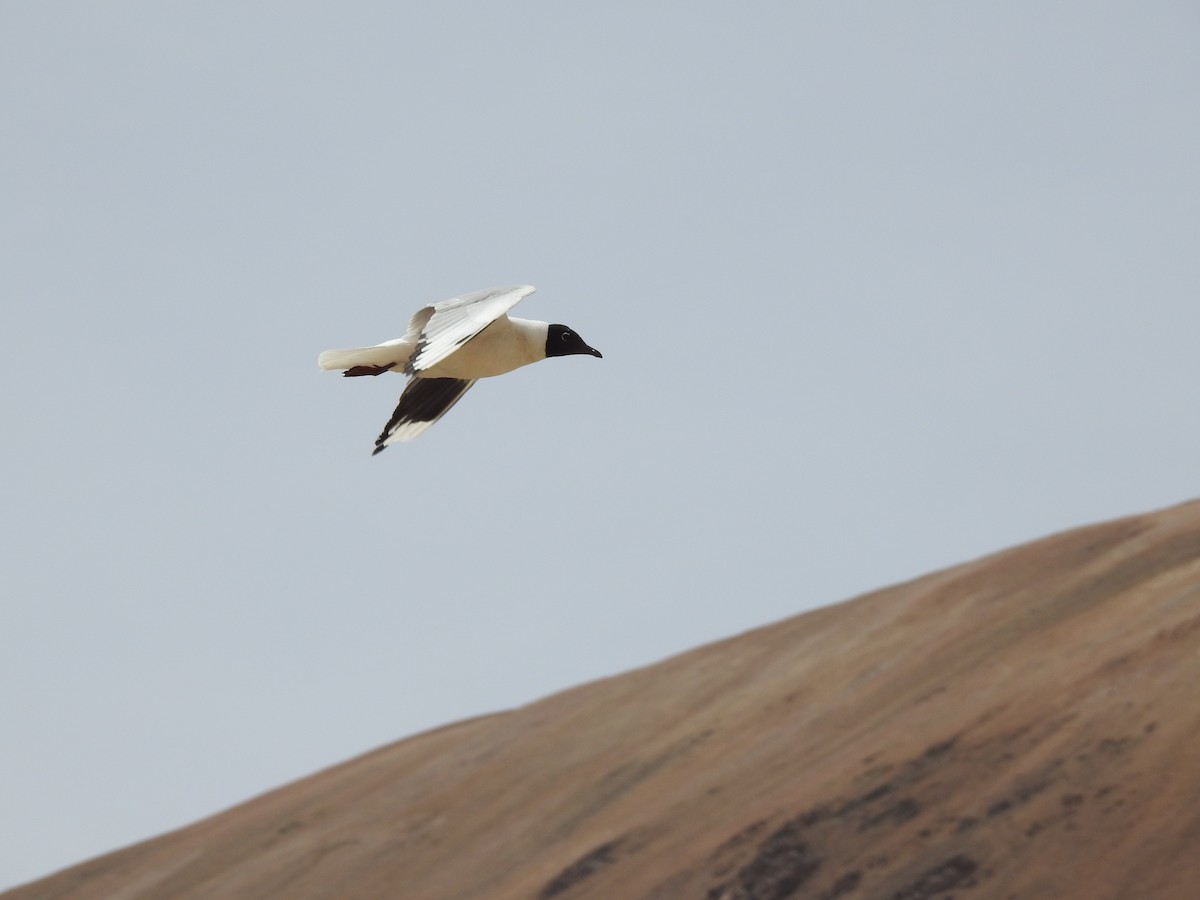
{"x": 393, "y": 353}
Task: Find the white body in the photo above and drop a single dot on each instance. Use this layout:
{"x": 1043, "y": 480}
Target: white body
{"x": 504, "y": 345}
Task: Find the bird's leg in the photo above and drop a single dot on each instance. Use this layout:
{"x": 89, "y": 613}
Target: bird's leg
{"x": 355, "y": 371}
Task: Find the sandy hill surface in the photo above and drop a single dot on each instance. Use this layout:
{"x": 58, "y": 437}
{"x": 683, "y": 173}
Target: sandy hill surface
{"x": 1023, "y": 726}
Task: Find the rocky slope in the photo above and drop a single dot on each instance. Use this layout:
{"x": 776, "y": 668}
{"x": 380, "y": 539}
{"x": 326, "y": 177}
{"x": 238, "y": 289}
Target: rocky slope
{"x": 1023, "y": 726}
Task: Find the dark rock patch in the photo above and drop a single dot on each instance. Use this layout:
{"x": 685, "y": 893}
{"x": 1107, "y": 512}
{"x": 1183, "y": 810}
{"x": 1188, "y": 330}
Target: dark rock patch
{"x": 956, "y": 872}
{"x": 783, "y": 863}
{"x": 897, "y": 813}
{"x": 843, "y": 886}
{"x": 587, "y": 865}
{"x": 942, "y": 747}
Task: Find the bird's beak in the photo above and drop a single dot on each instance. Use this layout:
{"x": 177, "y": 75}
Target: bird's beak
{"x": 596, "y": 353}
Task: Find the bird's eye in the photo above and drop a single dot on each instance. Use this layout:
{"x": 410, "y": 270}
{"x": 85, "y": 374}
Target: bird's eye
{"x": 566, "y": 335}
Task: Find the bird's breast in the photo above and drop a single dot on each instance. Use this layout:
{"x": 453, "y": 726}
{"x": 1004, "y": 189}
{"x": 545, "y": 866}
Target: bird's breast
{"x": 501, "y": 347}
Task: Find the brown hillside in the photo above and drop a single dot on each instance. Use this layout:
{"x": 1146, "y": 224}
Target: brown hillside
{"x": 1024, "y": 726}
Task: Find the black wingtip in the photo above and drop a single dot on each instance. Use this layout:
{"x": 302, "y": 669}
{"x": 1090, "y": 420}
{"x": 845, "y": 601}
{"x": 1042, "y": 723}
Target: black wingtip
{"x": 379, "y": 449}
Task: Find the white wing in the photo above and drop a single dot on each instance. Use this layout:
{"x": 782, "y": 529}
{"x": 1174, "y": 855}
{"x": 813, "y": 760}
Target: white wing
{"x": 442, "y": 328}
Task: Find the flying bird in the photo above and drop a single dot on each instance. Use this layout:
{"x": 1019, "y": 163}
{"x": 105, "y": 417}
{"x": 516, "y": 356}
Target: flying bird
{"x": 448, "y": 347}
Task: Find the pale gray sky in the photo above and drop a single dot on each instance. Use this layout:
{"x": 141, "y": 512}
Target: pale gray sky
{"x": 880, "y": 287}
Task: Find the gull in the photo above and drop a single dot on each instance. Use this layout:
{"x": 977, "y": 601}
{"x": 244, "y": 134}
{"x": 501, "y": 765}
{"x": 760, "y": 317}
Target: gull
{"x": 449, "y": 346}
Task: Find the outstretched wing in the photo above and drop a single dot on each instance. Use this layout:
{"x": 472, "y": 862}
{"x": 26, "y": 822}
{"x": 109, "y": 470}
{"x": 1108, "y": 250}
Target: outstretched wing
{"x": 442, "y": 328}
{"x": 424, "y": 401}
